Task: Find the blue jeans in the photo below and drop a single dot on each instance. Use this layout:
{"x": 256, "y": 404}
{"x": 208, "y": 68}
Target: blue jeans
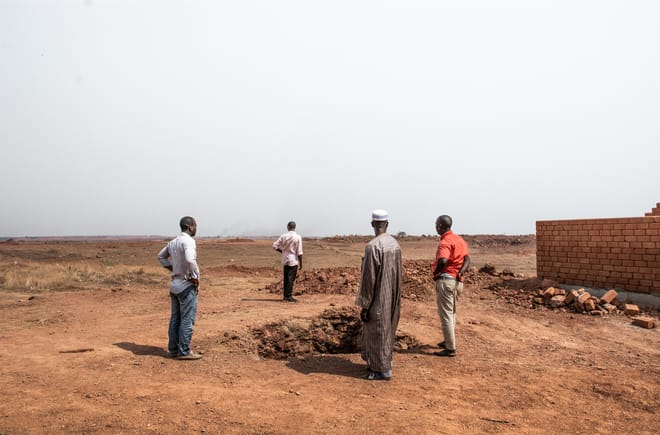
{"x": 184, "y": 310}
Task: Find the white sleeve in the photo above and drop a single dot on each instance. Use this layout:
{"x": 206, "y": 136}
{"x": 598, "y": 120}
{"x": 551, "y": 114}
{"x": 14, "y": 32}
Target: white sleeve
{"x": 164, "y": 256}
{"x": 191, "y": 259}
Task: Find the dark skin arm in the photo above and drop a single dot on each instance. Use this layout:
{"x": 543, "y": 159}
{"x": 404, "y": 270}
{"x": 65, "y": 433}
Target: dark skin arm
{"x": 464, "y": 268}
{"x": 442, "y": 263}
{"x": 300, "y": 262}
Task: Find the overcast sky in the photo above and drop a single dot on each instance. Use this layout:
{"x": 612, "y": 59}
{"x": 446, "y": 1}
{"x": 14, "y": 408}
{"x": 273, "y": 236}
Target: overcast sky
{"x": 117, "y": 117}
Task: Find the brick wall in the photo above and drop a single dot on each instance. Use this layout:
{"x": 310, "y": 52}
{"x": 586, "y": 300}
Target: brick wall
{"x": 655, "y": 211}
{"x": 622, "y": 253}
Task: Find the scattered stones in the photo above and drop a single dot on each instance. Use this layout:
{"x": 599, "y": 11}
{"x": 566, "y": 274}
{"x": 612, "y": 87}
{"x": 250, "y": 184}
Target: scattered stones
{"x": 488, "y": 269}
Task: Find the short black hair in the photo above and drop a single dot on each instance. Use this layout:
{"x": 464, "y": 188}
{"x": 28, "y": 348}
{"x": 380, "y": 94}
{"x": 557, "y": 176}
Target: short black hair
{"x": 186, "y": 222}
{"x": 444, "y": 220}
{"x": 291, "y": 225}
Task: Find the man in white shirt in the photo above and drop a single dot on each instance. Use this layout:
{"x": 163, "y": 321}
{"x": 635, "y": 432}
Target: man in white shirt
{"x": 290, "y": 245}
{"x": 180, "y": 257}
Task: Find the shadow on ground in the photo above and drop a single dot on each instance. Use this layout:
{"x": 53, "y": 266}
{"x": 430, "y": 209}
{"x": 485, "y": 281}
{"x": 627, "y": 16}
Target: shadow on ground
{"x": 142, "y": 349}
{"x": 330, "y": 364}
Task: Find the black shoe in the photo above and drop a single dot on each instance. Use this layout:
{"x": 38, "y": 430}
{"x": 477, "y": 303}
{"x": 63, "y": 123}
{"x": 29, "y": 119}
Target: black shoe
{"x": 445, "y": 352}
{"x": 290, "y": 299}
{"x": 442, "y": 345}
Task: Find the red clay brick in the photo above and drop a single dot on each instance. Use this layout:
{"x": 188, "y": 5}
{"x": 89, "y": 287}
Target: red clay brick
{"x": 583, "y": 297}
{"x": 631, "y": 309}
{"x": 608, "y": 297}
{"x": 644, "y": 322}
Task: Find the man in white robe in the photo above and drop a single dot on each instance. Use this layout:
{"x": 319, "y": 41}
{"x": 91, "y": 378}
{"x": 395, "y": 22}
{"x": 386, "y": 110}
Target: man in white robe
{"x": 380, "y": 298}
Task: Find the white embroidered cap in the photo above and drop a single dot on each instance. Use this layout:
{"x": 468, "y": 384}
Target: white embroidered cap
{"x": 379, "y": 215}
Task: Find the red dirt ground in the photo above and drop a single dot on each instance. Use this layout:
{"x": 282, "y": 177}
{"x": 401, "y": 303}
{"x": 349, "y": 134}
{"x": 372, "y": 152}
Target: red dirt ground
{"x": 89, "y": 357}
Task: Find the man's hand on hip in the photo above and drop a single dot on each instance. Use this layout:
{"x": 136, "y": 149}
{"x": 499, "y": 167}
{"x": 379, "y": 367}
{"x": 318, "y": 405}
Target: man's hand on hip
{"x": 194, "y": 281}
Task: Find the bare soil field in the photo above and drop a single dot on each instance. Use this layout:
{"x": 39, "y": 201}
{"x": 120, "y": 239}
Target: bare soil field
{"x": 83, "y": 328}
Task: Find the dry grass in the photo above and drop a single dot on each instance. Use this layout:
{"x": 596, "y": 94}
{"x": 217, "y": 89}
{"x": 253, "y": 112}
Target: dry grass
{"x": 31, "y": 275}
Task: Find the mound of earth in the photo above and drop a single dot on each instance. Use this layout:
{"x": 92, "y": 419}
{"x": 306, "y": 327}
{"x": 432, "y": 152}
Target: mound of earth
{"x": 417, "y": 281}
{"x": 473, "y": 240}
{"x": 335, "y": 330}
{"x": 334, "y": 280}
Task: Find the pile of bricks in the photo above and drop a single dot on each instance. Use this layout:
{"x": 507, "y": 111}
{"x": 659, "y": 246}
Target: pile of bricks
{"x": 581, "y": 301}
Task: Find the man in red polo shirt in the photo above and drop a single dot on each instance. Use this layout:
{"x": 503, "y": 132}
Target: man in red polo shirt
{"x": 451, "y": 262}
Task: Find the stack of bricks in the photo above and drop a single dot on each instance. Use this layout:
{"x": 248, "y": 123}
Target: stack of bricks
{"x": 655, "y": 211}
{"x": 622, "y": 253}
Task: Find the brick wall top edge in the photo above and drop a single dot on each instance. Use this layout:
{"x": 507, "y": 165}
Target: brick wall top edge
{"x": 630, "y": 220}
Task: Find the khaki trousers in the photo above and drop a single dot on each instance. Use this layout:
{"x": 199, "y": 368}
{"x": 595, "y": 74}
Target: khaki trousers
{"x": 447, "y": 292}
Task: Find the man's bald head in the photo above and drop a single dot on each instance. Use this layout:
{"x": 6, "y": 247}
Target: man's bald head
{"x": 291, "y": 226}
{"x": 443, "y": 224}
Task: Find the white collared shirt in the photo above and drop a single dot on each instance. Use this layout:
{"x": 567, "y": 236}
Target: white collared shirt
{"x": 181, "y": 254}
{"x": 290, "y": 244}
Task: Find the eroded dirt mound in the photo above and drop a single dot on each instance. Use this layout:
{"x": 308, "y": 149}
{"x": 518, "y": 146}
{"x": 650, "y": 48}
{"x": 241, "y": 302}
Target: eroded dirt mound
{"x": 417, "y": 281}
{"x": 336, "y": 330}
{"x": 335, "y": 280}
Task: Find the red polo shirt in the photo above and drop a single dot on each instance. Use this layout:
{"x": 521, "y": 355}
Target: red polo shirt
{"x": 454, "y": 249}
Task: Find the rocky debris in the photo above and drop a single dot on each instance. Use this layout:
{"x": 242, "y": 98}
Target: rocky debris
{"x": 532, "y": 294}
{"x": 473, "y": 241}
{"x": 335, "y": 330}
{"x": 488, "y": 269}
{"x": 418, "y": 283}
{"x": 579, "y": 301}
{"x": 334, "y": 280}
{"x": 407, "y": 343}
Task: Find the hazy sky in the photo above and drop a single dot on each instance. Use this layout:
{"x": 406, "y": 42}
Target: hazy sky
{"x": 117, "y": 117}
